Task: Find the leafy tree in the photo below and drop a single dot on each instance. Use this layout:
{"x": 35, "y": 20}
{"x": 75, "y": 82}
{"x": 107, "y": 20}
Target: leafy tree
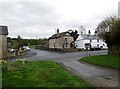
{"x": 109, "y": 30}
{"x": 43, "y": 41}
{"x": 15, "y": 44}
{"x": 21, "y": 41}
{"x": 8, "y": 39}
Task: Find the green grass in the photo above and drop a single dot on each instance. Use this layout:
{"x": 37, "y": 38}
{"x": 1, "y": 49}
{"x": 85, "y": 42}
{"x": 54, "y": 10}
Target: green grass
{"x": 32, "y": 46}
{"x": 39, "y": 74}
{"x": 110, "y": 61}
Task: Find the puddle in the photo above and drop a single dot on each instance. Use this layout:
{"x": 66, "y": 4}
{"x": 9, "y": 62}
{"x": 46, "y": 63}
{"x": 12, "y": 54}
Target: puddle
{"x": 108, "y": 77}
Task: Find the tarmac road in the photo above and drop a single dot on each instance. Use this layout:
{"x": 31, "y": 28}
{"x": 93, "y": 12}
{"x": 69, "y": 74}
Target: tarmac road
{"x": 62, "y": 56}
{"x": 99, "y": 76}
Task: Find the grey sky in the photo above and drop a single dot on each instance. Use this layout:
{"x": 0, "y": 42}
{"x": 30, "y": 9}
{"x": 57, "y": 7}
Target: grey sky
{"x": 41, "y": 17}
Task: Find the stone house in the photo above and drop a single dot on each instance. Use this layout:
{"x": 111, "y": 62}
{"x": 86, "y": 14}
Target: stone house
{"x": 3, "y": 42}
{"x": 61, "y": 41}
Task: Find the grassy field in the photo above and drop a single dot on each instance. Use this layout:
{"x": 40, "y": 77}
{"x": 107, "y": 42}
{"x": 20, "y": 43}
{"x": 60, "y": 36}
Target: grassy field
{"x": 110, "y": 61}
{"x": 39, "y": 74}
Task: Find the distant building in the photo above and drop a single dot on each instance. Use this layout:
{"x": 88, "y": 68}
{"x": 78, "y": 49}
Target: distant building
{"x": 3, "y": 41}
{"x": 61, "y": 40}
{"x": 92, "y": 40}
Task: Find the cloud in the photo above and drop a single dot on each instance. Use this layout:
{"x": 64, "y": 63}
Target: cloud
{"x": 29, "y": 18}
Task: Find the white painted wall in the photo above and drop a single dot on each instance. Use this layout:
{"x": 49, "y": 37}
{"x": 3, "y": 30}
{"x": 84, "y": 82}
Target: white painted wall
{"x": 80, "y": 44}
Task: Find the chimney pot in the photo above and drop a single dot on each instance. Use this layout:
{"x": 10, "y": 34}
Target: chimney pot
{"x": 57, "y": 32}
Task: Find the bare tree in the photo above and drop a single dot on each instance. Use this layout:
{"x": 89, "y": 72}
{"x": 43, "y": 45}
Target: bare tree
{"x": 82, "y": 30}
{"x": 74, "y": 34}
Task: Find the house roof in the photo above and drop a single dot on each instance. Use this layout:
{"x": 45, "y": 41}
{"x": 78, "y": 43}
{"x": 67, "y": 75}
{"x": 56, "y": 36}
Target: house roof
{"x": 89, "y": 37}
{"x": 59, "y": 35}
{"x": 3, "y": 30}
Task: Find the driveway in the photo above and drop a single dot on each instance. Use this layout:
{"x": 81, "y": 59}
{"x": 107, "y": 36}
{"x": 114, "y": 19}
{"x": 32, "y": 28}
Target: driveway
{"x": 99, "y": 76}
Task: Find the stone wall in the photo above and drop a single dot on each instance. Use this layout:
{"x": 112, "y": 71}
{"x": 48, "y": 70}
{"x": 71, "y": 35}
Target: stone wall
{"x": 59, "y": 42}
{"x": 3, "y": 46}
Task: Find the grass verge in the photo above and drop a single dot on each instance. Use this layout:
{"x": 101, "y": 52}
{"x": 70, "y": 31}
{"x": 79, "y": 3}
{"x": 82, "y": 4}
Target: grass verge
{"x": 110, "y": 61}
{"x": 39, "y": 74}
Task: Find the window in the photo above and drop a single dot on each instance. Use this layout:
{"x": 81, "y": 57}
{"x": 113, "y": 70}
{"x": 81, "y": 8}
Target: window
{"x": 97, "y": 40}
{"x": 90, "y": 40}
{"x": 66, "y": 46}
{"x": 65, "y": 39}
{"x": 98, "y": 45}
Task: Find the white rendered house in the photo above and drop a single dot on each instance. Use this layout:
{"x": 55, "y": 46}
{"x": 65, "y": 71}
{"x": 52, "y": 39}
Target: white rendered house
{"x": 93, "y": 40}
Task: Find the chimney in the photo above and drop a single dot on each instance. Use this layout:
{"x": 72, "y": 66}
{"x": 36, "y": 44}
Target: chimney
{"x": 89, "y": 32}
{"x": 57, "y": 32}
{"x": 95, "y": 33}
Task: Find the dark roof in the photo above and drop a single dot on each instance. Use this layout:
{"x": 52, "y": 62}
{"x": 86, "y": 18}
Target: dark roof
{"x": 90, "y": 37}
{"x": 3, "y": 30}
{"x": 59, "y": 35}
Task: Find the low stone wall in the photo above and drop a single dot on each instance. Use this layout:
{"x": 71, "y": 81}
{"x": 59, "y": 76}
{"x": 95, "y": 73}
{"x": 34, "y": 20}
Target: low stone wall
{"x": 11, "y": 55}
{"x": 62, "y": 50}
